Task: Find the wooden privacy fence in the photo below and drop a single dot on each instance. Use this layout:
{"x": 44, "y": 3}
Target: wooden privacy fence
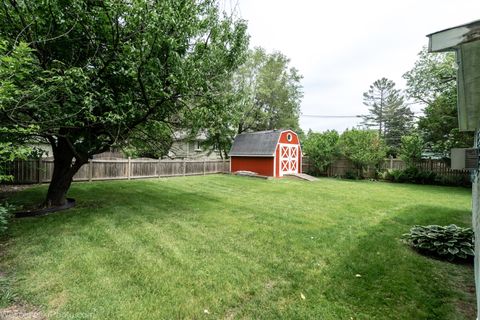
{"x": 41, "y": 170}
{"x": 341, "y": 167}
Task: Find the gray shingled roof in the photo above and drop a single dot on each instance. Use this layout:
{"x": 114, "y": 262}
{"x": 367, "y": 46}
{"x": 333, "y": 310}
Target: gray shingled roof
{"x": 262, "y": 143}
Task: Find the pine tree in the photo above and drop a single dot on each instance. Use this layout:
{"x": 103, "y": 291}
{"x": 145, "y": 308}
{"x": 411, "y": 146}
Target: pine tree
{"x": 387, "y": 112}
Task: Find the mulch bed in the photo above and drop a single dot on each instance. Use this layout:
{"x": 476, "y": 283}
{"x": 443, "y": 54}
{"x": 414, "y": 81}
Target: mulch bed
{"x": 44, "y": 211}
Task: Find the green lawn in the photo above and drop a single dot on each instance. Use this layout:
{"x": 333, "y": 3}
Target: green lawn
{"x": 226, "y": 247}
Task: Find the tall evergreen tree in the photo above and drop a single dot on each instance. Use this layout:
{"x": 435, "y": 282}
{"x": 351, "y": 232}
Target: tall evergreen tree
{"x": 387, "y": 112}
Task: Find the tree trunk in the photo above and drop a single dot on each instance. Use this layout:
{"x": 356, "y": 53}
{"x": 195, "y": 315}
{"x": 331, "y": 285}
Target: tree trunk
{"x": 64, "y": 168}
{"x": 240, "y": 128}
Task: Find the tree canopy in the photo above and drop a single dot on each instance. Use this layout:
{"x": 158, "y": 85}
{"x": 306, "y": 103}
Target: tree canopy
{"x": 265, "y": 93}
{"x": 363, "y": 147}
{"x": 86, "y": 74}
{"x": 411, "y": 149}
{"x": 432, "y": 75}
{"x": 321, "y": 149}
{"x": 387, "y": 112}
{"x": 432, "y": 83}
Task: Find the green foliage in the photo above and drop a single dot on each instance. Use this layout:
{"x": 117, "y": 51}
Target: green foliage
{"x": 353, "y": 175}
{"x": 410, "y": 175}
{"x": 411, "y": 149}
{"x": 263, "y": 94}
{"x": 87, "y": 74}
{"x": 391, "y": 175}
{"x": 387, "y": 112}
{"x": 279, "y": 93}
{"x": 439, "y": 125}
{"x": 150, "y": 140}
{"x": 432, "y": 75}
{"x": 450, "y": 242}
{"x": 321, "y": 149}
{"x": 363, "y": 147}
{"x": 417, "y": 176}
{"x": 13, "y": 65}
{"x": 272, "y": 90}
{"x": 432, "y": 82}
{"x": 8, "y": 153}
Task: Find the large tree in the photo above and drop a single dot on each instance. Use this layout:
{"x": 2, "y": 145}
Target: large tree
{"x": 321, "y": 148}
{"x": 86, "y": 74}
{"x": 363, "y": 147}
{"x": 432, "y": 83}
{"x": 263, "y": 94}
{"x": 388, "y": 112}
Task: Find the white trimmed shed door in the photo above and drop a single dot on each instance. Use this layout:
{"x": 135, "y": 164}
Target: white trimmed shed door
{"x": 288, "y": 159}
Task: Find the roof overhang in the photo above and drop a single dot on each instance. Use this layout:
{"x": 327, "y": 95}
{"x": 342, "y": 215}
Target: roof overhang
{"x": 465, "y": 41}
{"x": 252, "y": 155}
{"x": 449, "y": 39}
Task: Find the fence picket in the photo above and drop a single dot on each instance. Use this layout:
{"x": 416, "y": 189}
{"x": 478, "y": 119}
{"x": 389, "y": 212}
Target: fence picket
{"x": 341, "y": 166}
{"x": 40, "y": 171}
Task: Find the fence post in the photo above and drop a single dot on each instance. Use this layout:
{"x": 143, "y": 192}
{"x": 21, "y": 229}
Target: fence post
{"x": 391, "y": 162}
{"x": 204, "y": 166}
{"x": 184, "y": 167}
{"x": 158, "y": 167}
{"x": 39, "y": 170}
{"x": 129, "y": 168}
{"x": 90, "y": 170}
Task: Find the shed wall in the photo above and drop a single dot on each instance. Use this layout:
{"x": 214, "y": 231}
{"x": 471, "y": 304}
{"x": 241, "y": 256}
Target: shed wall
{"x": 260, "y": 165}
{"x": 283, "y": 137}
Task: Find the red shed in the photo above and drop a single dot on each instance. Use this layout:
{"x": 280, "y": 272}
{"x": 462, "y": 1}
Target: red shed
{"x": 272, "y": 153}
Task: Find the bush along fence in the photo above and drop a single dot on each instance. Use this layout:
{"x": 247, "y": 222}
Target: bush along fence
{"x": 41, "y": 170}
{"x": 426, "y": 171}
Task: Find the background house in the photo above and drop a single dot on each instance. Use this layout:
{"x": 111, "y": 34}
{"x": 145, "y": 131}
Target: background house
{"x": 185, "y": 146}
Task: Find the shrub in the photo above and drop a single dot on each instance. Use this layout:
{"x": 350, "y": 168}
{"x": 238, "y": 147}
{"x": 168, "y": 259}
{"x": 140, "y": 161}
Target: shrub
{"x": 352, "y": 175}
{"x": 450, "y": 242}
{"x": 363, "y": 147}
{"x": 321, "y": 149}
{"x": 412, "y": 175}
{"x": 452, "y": 181}
{"x": 393, "y": 175}
{"x": 411, "y": 148}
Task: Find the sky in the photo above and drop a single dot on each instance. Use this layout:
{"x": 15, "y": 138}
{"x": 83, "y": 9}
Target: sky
{"x": 341, "y": 47}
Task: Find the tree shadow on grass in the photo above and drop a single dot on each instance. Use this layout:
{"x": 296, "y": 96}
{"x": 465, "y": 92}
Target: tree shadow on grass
{"x": 117, "y": 203}
{"x": 380, "y": 270}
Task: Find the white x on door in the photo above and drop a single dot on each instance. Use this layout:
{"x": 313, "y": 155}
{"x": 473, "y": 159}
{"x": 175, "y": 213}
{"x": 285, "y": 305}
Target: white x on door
{"x": 288, "y": 159}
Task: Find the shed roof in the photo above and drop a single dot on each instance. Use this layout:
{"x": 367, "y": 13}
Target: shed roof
{"x": 262, "y": 143}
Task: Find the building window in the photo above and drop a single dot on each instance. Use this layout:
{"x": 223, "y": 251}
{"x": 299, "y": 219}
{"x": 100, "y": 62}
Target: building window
{"x": 289, "y": 137}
